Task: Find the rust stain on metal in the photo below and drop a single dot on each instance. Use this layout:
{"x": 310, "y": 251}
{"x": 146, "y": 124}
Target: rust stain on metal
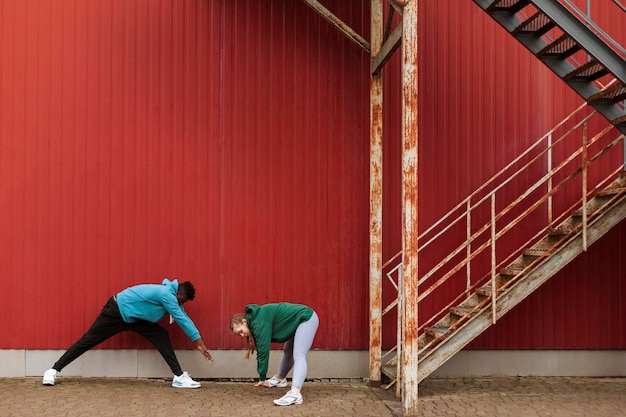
{"x": 376, "y": 202}
{"x": 410, "y": 291}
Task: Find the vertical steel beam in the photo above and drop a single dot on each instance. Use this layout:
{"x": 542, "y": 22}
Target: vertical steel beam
{"x": 410, "y": 206}
{"x": 376, "y": 198}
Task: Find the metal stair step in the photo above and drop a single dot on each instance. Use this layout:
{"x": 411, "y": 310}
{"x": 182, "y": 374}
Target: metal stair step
{"x": 607, "y": 192}
{"x": 538, "y": 24}
{"x": 511, "y": 271}
{"x": 484, "y": 290}
{"x": 579, "y": 212}
{"x": 536, "y": 251}
{"x": 591, "y": 71}
{"x": 391, "y": 370}
{"x": 512, "y": 6}
{"x": 612, "y": 94}
{"x": 560, "y": 231}
{"x": 561, "y": 48}
{"x": 461, "y": 311}
{"x": 436, "y": 331}
{"x": 619, "y": 121}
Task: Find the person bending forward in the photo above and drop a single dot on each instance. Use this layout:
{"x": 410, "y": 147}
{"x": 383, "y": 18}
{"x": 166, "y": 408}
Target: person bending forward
{"x": 293, "y": 324}
{"x": 138, "y": 309}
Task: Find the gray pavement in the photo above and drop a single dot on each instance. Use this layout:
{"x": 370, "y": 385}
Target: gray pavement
{"x": 519, "y": 397}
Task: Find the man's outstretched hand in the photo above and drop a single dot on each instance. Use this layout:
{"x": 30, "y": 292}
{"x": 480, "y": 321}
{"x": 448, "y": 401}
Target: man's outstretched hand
{"x": 203, "y": 349}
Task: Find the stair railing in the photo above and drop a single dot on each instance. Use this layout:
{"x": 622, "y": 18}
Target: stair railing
{"x": 514, "y": 213}
{"x": 507, "y": 213}
{"x": 620, "y": 5}
{"x": 586, "y": 18}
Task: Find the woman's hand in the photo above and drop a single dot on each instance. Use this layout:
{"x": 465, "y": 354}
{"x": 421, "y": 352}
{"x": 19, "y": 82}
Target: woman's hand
{"x": 262, "y": 384}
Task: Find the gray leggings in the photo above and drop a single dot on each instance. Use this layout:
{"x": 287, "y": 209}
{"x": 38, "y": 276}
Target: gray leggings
{"x": 296, "y": 349}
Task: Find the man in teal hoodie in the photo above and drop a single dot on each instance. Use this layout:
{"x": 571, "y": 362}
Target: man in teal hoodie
{"x": 138, "y": 309}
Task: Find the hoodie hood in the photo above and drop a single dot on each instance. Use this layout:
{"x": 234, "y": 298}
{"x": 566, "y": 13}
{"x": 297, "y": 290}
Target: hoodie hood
{"x": 251, "y": 311}
{"x": 172, "y": 285}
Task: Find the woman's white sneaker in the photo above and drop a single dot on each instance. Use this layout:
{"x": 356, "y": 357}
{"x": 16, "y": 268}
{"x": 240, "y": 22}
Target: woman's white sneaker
{"x": 289, "y": 399}
{"x": 184, "y": 381}
{"x": 49, "y": 377}
{"x": 275, "y": 382}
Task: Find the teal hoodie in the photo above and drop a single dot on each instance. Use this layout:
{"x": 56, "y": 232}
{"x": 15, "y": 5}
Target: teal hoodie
{"x": 151, "y": 302}
{"x": 273, "y": 323}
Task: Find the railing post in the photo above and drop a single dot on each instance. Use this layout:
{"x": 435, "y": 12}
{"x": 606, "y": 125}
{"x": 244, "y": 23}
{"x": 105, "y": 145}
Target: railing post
{"x": 400, "y": 323}
{"x": 584, "y": 186}
{"x": 549, "y": 179}
{"x": 624, "y": 153}
{"x": 493, "y": 258}
{"x": 468, "y": 250}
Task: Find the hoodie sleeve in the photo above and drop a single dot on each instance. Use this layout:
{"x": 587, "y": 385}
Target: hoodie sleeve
{"x": 262, "y": 339}
{"x": 170, "y": 303}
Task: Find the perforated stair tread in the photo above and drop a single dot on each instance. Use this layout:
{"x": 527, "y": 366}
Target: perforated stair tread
{"x": 537, "y": 25}
{"x": 610, "y": 191}
{"x": 561, "y": 48}
{"x": 612, "y": 94}
{"x": 561, "y": 230}
{"x": 437, "y": 331}
{"x": 461, "y": 310}
{"x": 536, "y": 251}
{"x": 590, "y": 71}
{"x": 511, "y": 271}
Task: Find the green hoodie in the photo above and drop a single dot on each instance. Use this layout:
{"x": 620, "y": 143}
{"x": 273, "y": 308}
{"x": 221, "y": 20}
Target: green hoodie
{"x": 273, "y": 323}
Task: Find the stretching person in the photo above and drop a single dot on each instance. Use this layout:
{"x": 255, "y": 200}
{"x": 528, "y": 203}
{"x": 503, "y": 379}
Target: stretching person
{"x": 293, "y": 324}
{"x": 138, "y": 309}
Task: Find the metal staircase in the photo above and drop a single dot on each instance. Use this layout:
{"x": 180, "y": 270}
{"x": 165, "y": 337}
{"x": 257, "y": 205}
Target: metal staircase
{"x": 536, "y": 265}
{"x": 570, "y": 47}
{"x": 579, "y": 53}
{"x": 565, "y": 227}
{"x": 515, "y": 282}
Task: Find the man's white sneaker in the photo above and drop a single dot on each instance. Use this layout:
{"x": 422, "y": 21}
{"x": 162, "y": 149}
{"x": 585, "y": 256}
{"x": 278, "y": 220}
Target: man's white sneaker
{"x": 49, "y": 376}
{"x": 275, "y": 382}
{"x": 184, "y": 381}
{"x": 289, "y": 398}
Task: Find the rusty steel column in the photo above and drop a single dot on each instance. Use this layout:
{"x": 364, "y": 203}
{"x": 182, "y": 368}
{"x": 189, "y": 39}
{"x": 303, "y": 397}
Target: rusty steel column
{"x": 376, "y": 198}
{"x": 410, "y": 205}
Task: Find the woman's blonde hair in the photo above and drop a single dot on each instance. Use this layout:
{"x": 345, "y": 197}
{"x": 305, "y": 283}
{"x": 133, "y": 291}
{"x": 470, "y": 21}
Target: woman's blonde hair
{"x": 238, "y": 319}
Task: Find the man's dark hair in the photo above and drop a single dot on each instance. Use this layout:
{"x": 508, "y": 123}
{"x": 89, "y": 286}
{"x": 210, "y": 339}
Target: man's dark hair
{"x": 188, "y": 289}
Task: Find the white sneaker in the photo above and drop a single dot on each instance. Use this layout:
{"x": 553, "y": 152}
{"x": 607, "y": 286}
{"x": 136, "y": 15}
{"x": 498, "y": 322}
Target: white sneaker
{"x": 49, "y": 376}
{"x": 289, "y": 399}
{"x": 275, "y": 382}
{"x": 184, "y": 381}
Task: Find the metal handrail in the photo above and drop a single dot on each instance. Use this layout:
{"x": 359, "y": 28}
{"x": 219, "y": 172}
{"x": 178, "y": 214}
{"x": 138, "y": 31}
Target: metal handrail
{"x": 620, "y": 5}
{"x": 585, "y": 17}
{"x": 446, "y": 217}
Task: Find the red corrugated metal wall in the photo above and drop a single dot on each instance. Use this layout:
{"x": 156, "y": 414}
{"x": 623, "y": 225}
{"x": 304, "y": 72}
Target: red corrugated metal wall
{"x": 226, "y": 142}
{"x": 223, "y": 142}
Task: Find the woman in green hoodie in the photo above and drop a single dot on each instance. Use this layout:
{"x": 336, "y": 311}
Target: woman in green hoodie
{"x": 292, "y": 324}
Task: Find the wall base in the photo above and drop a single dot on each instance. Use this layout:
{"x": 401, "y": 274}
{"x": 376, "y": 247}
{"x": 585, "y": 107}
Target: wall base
{"x": 321, "y": 363}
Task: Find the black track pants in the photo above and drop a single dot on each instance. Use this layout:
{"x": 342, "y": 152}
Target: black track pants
{"x": 110, "y": 323}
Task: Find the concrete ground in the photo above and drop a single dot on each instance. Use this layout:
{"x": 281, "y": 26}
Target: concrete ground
{"x": 441, "y": 397}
